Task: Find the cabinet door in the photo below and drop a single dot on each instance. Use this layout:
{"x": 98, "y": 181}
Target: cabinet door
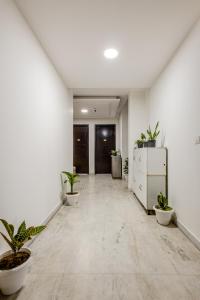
{"x": 134, "y": 169}
{"x": 155, "y": 185}
{"x": 142, "y": 188}
{"x": 142, "y": 160}
{"x": 156, "y": 161}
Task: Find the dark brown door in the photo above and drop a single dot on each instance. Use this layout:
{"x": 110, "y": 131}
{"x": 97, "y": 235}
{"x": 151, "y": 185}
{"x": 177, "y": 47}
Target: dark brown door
{"x": 81, "y": 148}
{"x": 104, "y": 143}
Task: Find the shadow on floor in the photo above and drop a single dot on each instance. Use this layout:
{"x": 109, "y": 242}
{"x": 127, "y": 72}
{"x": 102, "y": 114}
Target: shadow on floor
{"x": 11, "y": 297}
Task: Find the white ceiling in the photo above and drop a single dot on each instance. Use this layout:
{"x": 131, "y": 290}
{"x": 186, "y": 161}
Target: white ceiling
{"x": 75, "y": 33}
{"x": 101, "y": 92}
{"x": 98, "y": 108}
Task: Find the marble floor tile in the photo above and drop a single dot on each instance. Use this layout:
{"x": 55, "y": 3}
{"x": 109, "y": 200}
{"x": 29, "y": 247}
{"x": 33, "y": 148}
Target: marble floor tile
{"x": 107, "y": 248}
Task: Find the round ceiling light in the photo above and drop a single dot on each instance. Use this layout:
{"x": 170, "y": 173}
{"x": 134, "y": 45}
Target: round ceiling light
{"x": 111, "y": 53}
{"x": 84, "y": 110}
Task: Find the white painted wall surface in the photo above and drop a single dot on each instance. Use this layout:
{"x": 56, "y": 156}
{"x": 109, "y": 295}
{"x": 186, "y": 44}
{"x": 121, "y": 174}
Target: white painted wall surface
{"x": 123, "y": 132}
{"x": 174, "y": 100}
{"x": 137, "y": 122}
{"x": 91, "y": 123}
{"x": 36, "y": 118}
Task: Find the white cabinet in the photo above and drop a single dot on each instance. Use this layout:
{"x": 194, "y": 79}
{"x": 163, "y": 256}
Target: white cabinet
{"x": 149, "y": 174}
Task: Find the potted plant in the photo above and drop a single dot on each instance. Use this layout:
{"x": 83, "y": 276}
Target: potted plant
{"x": 142, "y": 141}
{"x": 115, "y": 152}
{"x": 139, "y": 143}
{"x": 153, "y": 135}
{"x": 125, "y": 169}
{"x": 72, "y": 197}
{"x": 116, "y": 164}
{"x": 163, "y": 211}
{"x": 14, "y": 263}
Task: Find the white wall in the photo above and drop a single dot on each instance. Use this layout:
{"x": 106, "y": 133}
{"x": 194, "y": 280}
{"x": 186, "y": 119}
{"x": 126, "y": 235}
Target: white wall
{"x": 174, "y": 100}
{"x": 36, "y": 117}
{"x": 137, "y": 122}
{"x": 91, "y": 123}
{"x": 123, "y": 132}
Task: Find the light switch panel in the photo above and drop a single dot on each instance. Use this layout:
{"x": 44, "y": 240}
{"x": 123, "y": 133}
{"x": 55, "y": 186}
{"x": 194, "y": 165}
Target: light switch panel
{"x": 197, "y": 141}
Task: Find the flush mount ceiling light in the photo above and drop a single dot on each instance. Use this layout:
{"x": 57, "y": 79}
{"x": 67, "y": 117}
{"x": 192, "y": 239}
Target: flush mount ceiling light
{"x": 84, "y": 110}
{"x": 111, "y": 53}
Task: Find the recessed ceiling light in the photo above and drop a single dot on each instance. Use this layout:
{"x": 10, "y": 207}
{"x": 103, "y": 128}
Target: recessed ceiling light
{"x": 84, "y": 110}
{"x": 111, "y": 53}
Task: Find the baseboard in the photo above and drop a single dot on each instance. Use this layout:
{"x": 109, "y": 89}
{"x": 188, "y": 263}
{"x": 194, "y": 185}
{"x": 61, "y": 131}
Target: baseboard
{"x": 52, "y": 213}
{"x": 189, "y": 234}
{"x": 47, "y": 220}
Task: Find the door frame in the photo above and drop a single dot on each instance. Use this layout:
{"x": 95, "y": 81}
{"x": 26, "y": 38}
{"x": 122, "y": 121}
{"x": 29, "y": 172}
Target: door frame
{"x": 95, "y": 136}
{"x": 88, "y": 143}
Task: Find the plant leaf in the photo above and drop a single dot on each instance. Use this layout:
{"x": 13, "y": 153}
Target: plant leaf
{"x": 21, "y": 236}
{"x": 32, "y": 231}
{"x": 12, "y": 229}
{"x": 11, "y": 245}
{"x": 22, "y": 227}
{"x": 8, "y": 228}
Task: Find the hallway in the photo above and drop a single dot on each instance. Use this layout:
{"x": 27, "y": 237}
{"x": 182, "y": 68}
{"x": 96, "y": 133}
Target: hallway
{"x": 108, "y": 248}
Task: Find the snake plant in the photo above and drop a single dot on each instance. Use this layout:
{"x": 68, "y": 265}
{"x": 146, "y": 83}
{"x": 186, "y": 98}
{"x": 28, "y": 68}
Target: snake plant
{"x": 163, "y": 202}
{"x": 153, "y": 135}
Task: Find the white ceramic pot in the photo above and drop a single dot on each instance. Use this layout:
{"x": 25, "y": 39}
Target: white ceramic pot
{"x": 12, "y": 280}
{"x": 163, "y": 216}
{"x": 73, "y": 199}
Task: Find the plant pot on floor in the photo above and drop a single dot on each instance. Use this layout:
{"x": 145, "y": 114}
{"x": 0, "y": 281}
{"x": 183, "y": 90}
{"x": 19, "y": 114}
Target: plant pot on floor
{"x": 72, "y": 199}
{"x": 163, "y": 216}
{"x": 116, "y": 164}
{"x": 11, "y": 280}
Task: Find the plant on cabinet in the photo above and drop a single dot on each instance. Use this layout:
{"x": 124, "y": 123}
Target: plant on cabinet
{"x": 152, "y": 136}
{"x": 14, "y": 263}
{"x": 142, "y": 141}
{"x": 72, "y": 197}
{"x": 139, "y": 143}
{"x": 163, "y": 211}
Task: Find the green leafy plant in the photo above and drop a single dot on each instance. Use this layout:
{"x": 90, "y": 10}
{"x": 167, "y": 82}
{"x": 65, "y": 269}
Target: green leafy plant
{"x": 163, "y": 202}
{"x": 114, "y": 152}
{"x": 17, "y": 241}
{"x": 72, "y": 179}
{"x": 125, "y": 169}
{"x": 141, "y": 140}
{"x": 143, "y": 137}
{"x": 153, "y": 135}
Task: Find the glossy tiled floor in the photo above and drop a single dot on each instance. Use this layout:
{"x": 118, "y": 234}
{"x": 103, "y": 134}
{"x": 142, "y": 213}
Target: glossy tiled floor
{"x": 108, "y": 248}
